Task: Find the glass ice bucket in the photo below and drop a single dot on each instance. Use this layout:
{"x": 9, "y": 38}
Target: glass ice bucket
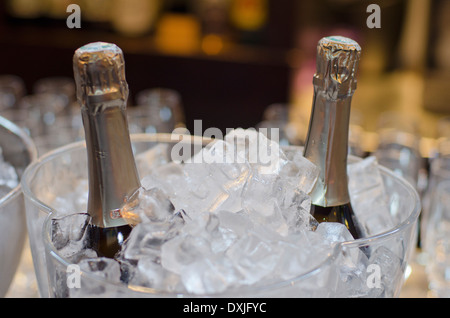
{"x": 59, "y": 172}
{"x": 19, "y": 150}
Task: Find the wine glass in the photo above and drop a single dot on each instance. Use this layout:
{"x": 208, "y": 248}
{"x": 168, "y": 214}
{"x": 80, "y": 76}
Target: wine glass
{"x": 18, "y": 150}
{"x": 42, "y": 110}
{"x": 12, "y": 89}
{"x": 439, "y": 172}
{"x": 59, "y": 85}
{"x": 276, "y": 119}
{"x": 437, "y": 242}
{"x": 158, "y": 110}
{"x": 399, "y": 145}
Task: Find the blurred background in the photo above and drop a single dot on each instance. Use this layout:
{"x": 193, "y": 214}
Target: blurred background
{"x": 236, "y": 63}
{"x": 231, "y": 59}
{"x": 240, "y": 63}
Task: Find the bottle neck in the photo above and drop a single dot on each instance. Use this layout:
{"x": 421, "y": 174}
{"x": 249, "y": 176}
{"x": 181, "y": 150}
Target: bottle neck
{"x": 113, "y": 177}
{"x": 327, "y": 147}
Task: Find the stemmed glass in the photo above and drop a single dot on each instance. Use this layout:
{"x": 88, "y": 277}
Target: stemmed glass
{"x": 158, "y": 110}
{"x": 439, "y": 171}
{"x": 12, "y": 89}
{"x": 277, "y": 116}
{"x": 437, "y": 242}
{"x": 399, "y": 146}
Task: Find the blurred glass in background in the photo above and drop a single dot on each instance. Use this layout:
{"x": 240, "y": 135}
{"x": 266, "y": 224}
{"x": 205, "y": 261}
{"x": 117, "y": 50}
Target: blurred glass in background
{"x": 12, "y": 89}
{"x": 399, "y": 145}
{"x": 278, "y": 125}
{"x": 158, "y": 110}
{"x": 437, "y": 241}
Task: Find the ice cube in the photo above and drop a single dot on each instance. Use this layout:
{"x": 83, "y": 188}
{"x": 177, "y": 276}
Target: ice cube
{"x": 271, "y": 200}
{"x": 352, "y": 280}
{"x": 200, "y": 192}
{"x": 216, "y": 176}
{"x": 300, "y": 253}
{"x": 106, "y": 270}
{"x": 70, "y": 236}
{"x": 148, "y": 205}
{"x": 207, "y": 226}
{"x": 300, "y": 172}
{"x": 148, "y": 273}
{"x": 259, "y": 202}
{"x": 334, "y": 232}
{"x": 368, "y": 196}
{"x": 281, "y": 199}
{"x": 390, "y": 267}
{"x": 263, "y": 154}
{"x": 146, "y": 239}
{"x": 258, "y": 194}
{"x": 170, "y": 178}
{"x": 219, "y": 152}
{"x": 103, "y": 267}
{"x": 73, "y": 201}
{"x": 237, "y": 223}
{"x": 152, "y": 158}
{"x": 352, "y": 259}
{"x": 210, "y": 275}
{"x": 254, "y": 257}
{"x": 295, "y": 207}
{"x": 183, "y": 250}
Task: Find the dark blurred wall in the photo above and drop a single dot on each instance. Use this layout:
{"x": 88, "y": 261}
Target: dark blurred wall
{"x": 226, "y": 90}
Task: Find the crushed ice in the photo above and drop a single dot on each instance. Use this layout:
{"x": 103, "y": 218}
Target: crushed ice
{"x": 222, "y": 219}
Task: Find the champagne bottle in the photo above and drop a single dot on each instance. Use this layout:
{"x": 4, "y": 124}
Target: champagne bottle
{"x": 102, "y": 92}
{"x": 327, "y": 139}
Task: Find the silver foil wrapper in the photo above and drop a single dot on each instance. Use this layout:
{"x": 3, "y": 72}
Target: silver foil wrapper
{"x": 327, "y": 139}
{"x": 337, "y": 63}
{"x": 99, "y": 70}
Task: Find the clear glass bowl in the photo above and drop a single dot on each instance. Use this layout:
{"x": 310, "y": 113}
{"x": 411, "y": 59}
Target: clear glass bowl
{"x": 19, "y": 150}
{"x": 58, "y": 173}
